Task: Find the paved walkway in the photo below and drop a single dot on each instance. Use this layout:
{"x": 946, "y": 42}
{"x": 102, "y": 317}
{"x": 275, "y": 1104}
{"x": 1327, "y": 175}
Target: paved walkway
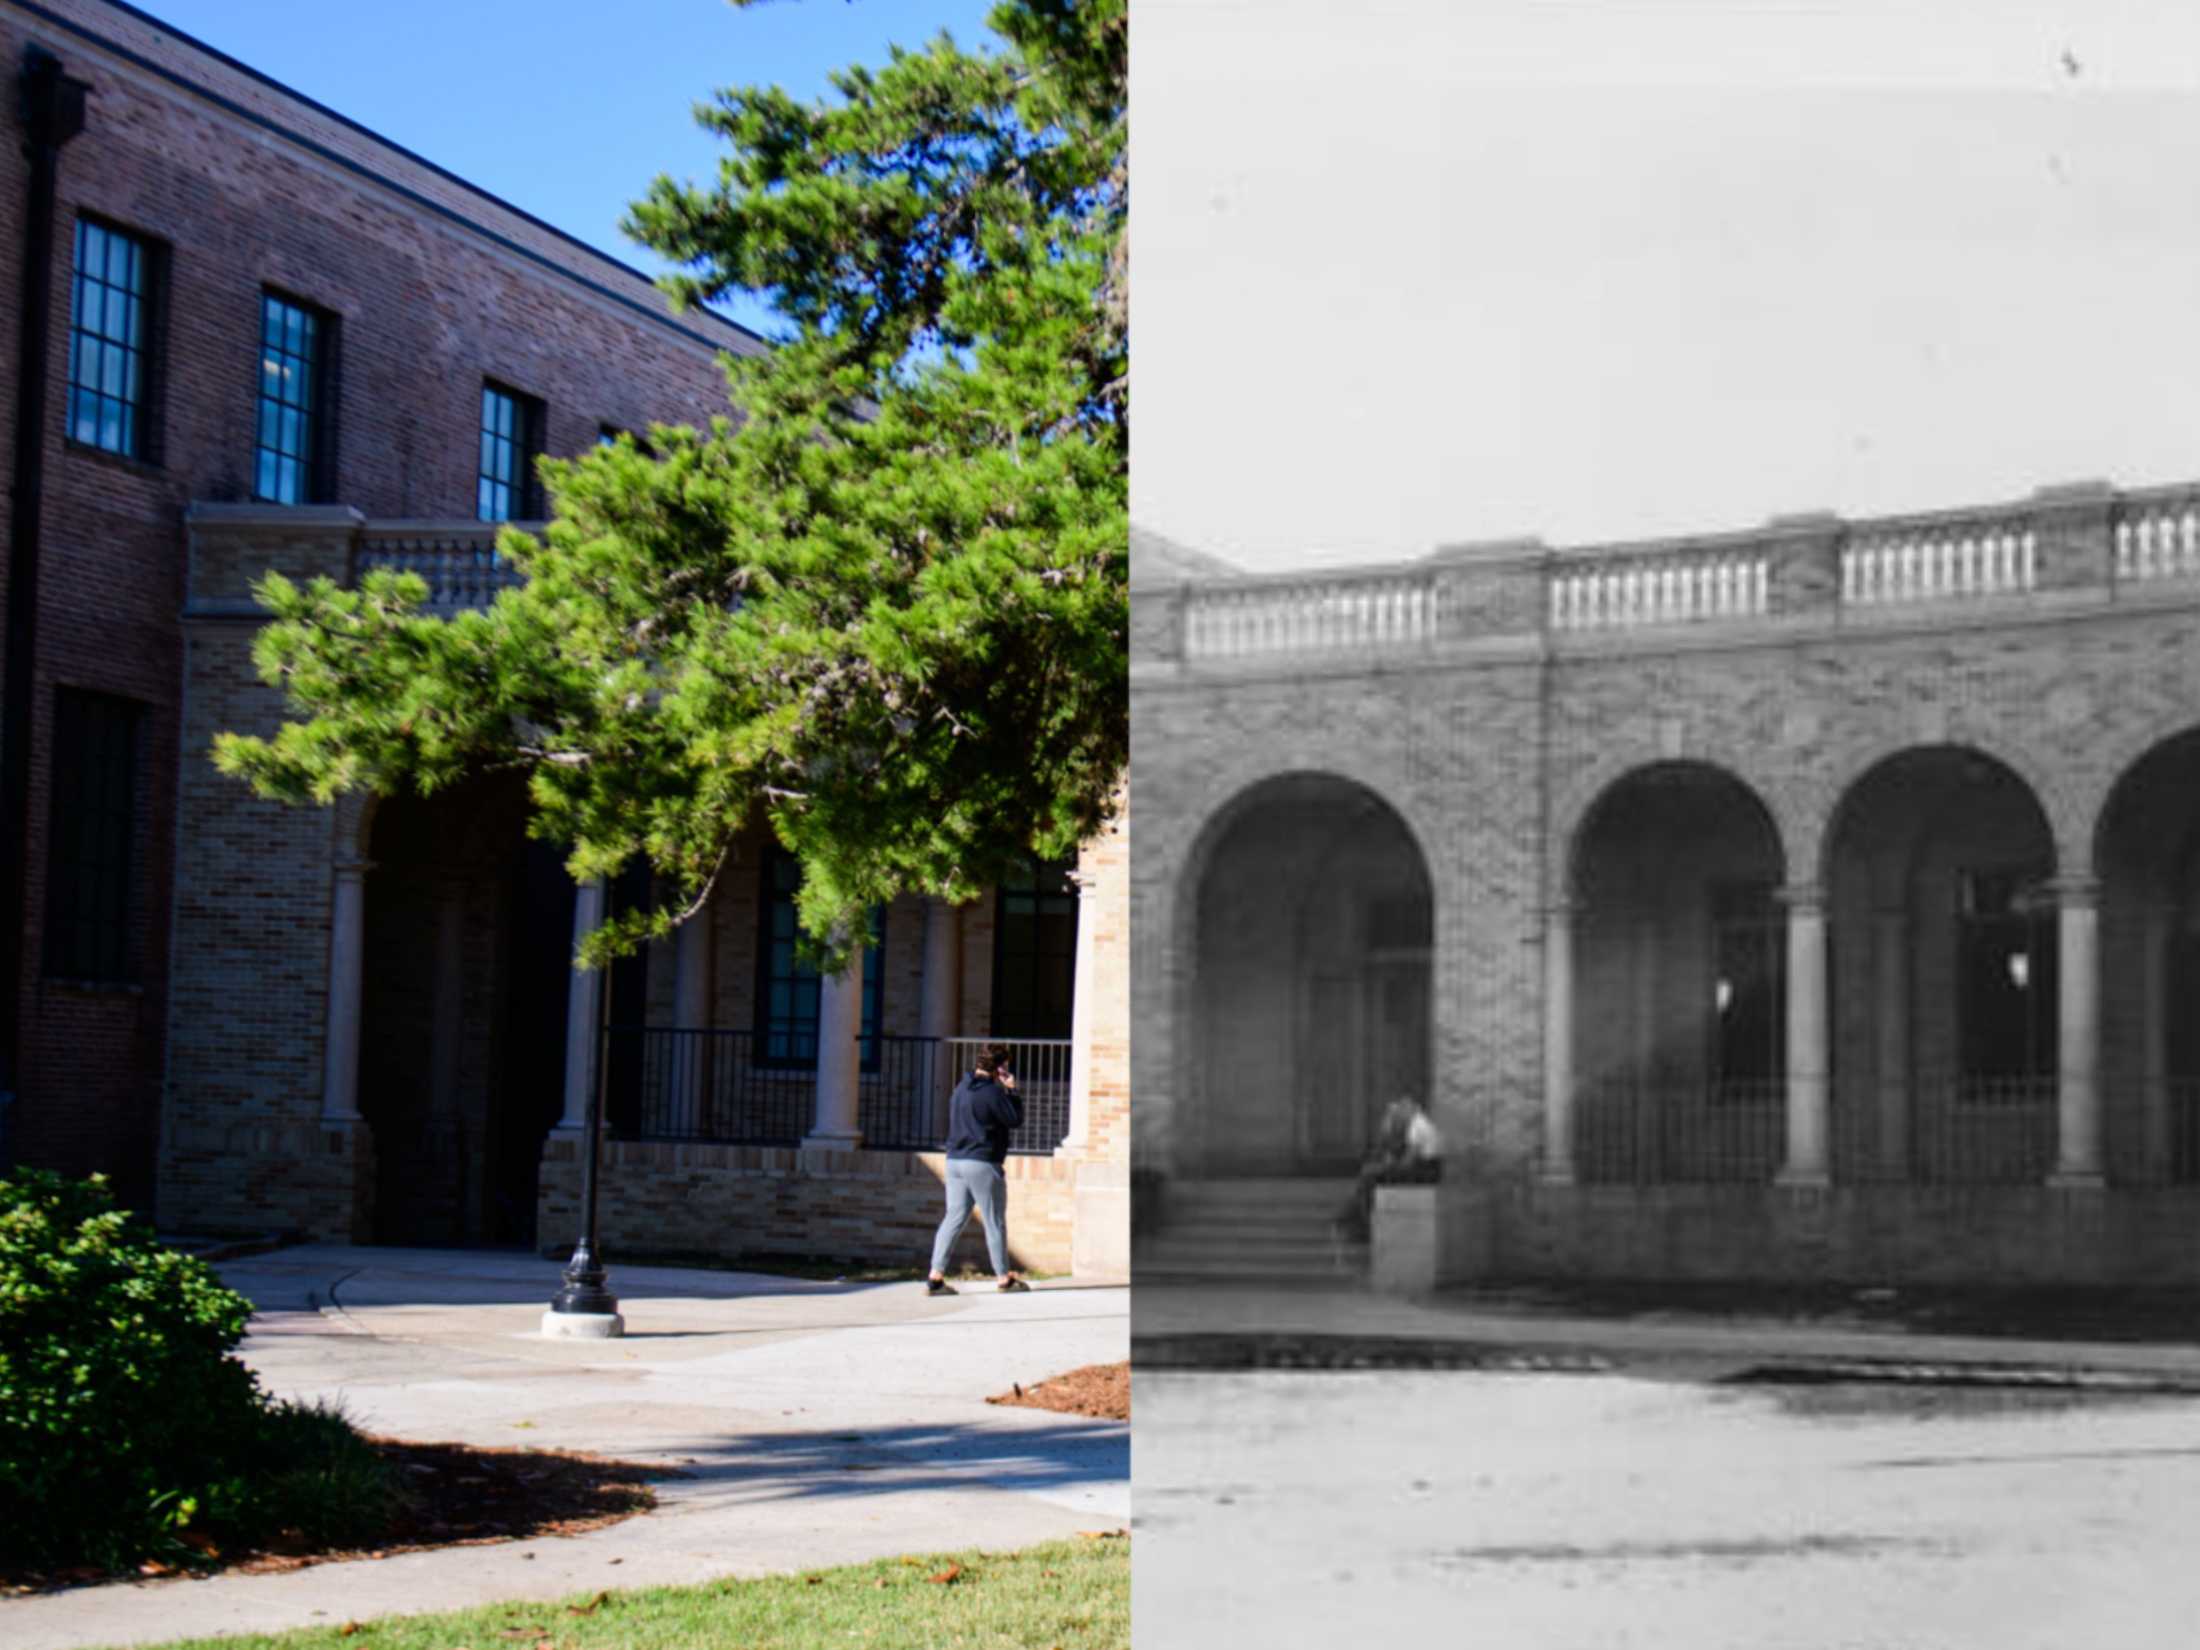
{"x": 1172, "y": 1322}
{"x": 820, "y": 1423}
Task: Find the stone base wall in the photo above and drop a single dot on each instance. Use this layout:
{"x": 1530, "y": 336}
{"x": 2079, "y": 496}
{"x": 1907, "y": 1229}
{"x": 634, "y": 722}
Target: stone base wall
{"x": 2000, "y": 1235}
{"x": 665, "y": 1198}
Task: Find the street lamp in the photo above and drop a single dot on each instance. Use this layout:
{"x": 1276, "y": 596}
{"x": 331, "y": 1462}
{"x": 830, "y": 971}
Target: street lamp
{"x": 584, "y": 1309}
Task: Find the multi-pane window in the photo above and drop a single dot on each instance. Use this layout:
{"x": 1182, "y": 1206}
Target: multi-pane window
{"x": 790, "y": 986}
{"x": 109, "y": 328}
{"x": 2006, "y": 980}
{"x": 293, "y": 341}
{"x": 1748, "y": 996}
{"x": 511, "y": 426}
{"x": 1035, "y": 953}
{"x": 91, "y": 874}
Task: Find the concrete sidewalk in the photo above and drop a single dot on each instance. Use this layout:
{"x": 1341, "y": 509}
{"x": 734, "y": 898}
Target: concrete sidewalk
{"x": 1190, "y": 1325}
{"x": 820, "y": 1423}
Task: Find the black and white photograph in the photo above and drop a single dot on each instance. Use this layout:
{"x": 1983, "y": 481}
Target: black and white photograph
{"x": 1665, "y": 687}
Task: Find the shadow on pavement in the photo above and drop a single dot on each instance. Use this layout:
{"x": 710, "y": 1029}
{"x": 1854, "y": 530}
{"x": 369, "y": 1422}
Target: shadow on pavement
{"x": 896, "y": 1460}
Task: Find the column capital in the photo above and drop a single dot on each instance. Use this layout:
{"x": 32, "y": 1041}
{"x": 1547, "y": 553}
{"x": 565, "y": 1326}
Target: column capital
{"x": 1801, "y": 896}
{"x": 1560, "y": 910}
{"x": 352, "y": 869}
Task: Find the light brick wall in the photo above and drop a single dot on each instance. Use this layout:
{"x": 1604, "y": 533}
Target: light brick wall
{"x": 1494, "y": 742}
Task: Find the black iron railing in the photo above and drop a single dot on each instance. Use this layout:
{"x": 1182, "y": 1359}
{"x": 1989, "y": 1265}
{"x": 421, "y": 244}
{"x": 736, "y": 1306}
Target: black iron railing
{"x": 681, "y": 1083}
{"x": 1637, "y": 1133}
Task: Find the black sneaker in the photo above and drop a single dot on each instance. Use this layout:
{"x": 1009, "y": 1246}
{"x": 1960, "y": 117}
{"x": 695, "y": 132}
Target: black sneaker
{"x": 1009, "y": 1286}
{"x": 938, "y": 1286}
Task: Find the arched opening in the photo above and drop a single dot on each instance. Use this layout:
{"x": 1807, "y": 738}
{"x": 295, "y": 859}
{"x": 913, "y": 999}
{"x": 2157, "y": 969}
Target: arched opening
{"x": 1310, "y": 979}
{"x": 1680, "y": 977}
{"x": 469, "y": 937}
{"x": 2148, "y": 857}
{"x": 1944, "y": 973}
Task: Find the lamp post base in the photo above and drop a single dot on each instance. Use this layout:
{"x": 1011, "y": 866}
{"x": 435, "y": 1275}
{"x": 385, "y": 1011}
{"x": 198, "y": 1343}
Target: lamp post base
{"x": 583, "y": 1326}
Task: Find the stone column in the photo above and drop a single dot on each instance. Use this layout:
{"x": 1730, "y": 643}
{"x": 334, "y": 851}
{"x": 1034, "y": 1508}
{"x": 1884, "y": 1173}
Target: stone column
{"x": 1891, "y": 1038}
{"x": 839, "y": 1059}
{"x": 1558, "y": 1045}
{"x": 347, "y": 951}
{"x": 1080, "y": 1025}
{"x": 2078, "y": 1040}
{"x": 2154, "y": 1039}
{"x": 692, "y": 1012}
{"x": 939, "y": 1011}
{"x": 583, "y": 1011}
{"x": 1806, "y": 1163}
{"x": 939, "y": 1007}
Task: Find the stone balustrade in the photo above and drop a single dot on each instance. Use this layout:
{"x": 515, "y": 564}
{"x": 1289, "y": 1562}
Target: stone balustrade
{"x": 1939, "y": 561}
{"x": 1302, "y": 615}
{"x": 459, "y": 560}
{"x": 2158, "y": 537}
{"x": 1644, "y": 590}
{"x": 2081, "y": 543}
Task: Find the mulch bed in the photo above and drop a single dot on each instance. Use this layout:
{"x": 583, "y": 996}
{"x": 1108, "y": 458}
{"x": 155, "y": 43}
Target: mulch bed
{"x": 452, "y": 1495}
{"x": 1102, "y": 1391}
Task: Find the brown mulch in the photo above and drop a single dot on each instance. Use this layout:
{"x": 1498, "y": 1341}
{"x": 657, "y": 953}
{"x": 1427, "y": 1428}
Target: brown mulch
{"x": 1102, "y": 1391}
{"x": 452, "y": 1495}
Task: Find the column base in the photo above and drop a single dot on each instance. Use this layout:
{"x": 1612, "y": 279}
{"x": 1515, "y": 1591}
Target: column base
{"x": 821, "y": 1142}
{"x": 2078, "y": 1180}
{"x": 1803, "y": 1180}
{"x": 583, "y": 1326}
{"x": 1556, "y": 1177}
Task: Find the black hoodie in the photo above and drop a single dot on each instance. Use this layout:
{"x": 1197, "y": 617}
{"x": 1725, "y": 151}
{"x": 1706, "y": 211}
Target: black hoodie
{"x": 980, "y": 1116}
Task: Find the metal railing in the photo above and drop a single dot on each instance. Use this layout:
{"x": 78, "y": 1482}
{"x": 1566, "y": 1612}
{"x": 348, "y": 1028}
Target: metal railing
{"x": 1042, "y": 1067}
{"x": 719, "y": 1087}
{"x": 1954, "y": 1131}
{"x": 1644, "y": 1133}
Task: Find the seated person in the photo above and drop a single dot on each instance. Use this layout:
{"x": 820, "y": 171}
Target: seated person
{"x": 1407, "y": 1149}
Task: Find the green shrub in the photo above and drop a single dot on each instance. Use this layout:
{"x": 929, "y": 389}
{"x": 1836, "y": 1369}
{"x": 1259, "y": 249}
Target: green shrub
{"x": 124, "y": 1420}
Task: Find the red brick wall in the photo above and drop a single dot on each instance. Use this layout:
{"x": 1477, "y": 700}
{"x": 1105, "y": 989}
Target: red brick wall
{"x": 428, "y": 305}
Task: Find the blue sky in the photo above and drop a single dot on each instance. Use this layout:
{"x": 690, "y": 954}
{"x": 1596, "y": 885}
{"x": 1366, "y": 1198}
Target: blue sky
{"x": 564, "y": 107}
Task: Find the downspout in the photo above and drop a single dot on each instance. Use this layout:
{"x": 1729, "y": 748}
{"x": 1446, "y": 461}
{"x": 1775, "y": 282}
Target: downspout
{"x": 51, "y": 106}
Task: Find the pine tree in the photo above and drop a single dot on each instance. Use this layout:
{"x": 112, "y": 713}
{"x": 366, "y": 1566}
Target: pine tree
{"x": 883, "y": 602}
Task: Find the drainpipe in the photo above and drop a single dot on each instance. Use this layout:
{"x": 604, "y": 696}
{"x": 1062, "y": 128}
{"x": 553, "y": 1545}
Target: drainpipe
{"x": 51, "y": 105}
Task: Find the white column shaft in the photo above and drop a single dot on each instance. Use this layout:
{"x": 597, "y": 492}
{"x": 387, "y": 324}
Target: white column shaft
{"x": 1806, "y": 1039}
{"x": 1558, "y": 1045}
{"x": 940, "y": 1009}
{"x": 2078, "y": 1089}
{"x": 583, "y": 1010}
{"x": 347, "y": 947}
{"x": 839, "y": 1058}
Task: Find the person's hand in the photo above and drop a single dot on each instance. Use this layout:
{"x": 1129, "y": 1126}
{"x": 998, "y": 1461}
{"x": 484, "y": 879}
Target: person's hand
{"x": 1007, "y": 1080}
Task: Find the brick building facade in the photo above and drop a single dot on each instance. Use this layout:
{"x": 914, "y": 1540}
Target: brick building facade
{"x": 278, "y": 341}
{"x": 1814, "y": 902}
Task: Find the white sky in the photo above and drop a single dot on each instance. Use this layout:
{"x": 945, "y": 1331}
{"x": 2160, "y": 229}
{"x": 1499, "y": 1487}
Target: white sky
{"x": 1414, "y": 272}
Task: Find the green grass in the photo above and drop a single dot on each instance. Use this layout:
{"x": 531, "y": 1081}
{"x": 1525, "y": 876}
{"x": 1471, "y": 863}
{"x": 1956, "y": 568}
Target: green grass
{"x": 1072, "y": 1594}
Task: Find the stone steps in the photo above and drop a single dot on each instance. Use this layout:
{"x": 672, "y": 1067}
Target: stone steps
{"x": 1268, "y": 1229}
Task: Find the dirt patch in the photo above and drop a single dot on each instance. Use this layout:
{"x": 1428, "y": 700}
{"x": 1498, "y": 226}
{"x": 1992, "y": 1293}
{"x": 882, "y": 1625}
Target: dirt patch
{"x": 1102, "y": 1391}
{"x": 449, "y": 1495}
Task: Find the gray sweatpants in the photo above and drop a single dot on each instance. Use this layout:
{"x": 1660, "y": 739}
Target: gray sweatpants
{"x": 970, "y": 1181}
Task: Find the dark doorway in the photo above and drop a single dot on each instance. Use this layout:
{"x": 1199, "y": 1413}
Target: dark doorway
{"x": 462, "y": 1062}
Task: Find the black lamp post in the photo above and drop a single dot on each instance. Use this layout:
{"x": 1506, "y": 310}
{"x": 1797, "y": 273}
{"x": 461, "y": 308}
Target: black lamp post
{"x": 584, "y": 1293}
{"x": 585, "y": 1308}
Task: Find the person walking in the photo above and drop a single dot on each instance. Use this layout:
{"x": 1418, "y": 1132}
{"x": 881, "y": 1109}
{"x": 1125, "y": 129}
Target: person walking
{"x": 981, "y": 1114}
